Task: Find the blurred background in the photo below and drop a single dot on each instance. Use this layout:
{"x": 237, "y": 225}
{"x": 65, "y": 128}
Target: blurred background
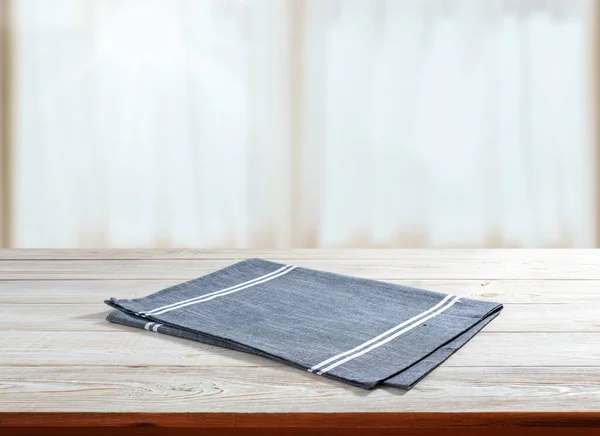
{"x": 298, "y": 123}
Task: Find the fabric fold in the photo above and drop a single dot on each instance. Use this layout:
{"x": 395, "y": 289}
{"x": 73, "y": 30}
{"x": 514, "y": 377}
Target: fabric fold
{"x": 359, "y": 331}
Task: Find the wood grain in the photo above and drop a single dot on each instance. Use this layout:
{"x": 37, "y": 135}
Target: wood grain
{"x": 129, "y": 346}
{"x": 536, "y": 368}
{"x": 505, "y": 291}
{"x": 262, "y": 389}
{"x": 145, "y": 427}
{"x": 532, "y": 318}
{"x": 354, "y": 420}
{"x": 389, "y": 269}
{"x": 506, "y": 256}
{"x": 358, "y": 423}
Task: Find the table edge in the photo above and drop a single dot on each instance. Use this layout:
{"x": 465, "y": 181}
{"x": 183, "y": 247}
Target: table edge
{"x": 304, "y": 420}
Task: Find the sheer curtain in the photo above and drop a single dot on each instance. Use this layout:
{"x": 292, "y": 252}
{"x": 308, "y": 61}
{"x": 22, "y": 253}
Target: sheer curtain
{"x": 152, "y": 123}
{"x": 310, "y": 123}
{"x": 450, "y": 123}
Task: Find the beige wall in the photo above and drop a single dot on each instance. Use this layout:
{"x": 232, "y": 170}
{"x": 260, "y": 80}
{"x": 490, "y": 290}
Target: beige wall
{"x": 5, "y": 123}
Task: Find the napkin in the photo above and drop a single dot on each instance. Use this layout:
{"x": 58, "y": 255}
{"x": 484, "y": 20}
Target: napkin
{"x": 358, "y": 331}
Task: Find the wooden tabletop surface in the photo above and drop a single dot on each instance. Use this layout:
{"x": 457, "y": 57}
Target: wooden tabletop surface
{"x": 62, "y": 364}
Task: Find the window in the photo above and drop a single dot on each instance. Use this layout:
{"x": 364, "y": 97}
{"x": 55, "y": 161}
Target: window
{"x": 306, "y": 123}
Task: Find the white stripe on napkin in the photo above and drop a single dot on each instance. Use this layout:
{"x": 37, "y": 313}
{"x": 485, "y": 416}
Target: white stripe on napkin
{"x": 412, "y": 323}
{"x": 200, "y": 297}
{"x": 213, "y": 295}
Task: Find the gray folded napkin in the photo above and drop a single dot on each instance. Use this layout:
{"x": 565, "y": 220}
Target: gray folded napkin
{"x": 359, "y": 331}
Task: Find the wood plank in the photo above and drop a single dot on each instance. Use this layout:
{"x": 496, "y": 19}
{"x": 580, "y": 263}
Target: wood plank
{"x": 262, "y": 389}
{"x": 128, "y": 346}
{"x": 554, "y": 423}
{"x": 506, "y": 291}
{"x": 57, "y": 354}
{"x": 435, "y": 267}
{"x": 308, "y": 420}
{"x": 314, "y": 424}
{"x": 544, "y": 424}
{"x": 580, "y": 317}
{"x": 484, "y": 255}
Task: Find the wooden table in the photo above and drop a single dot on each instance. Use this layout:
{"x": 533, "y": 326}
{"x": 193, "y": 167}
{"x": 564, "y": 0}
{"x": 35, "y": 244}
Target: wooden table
{"x": 62, "y": 366}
